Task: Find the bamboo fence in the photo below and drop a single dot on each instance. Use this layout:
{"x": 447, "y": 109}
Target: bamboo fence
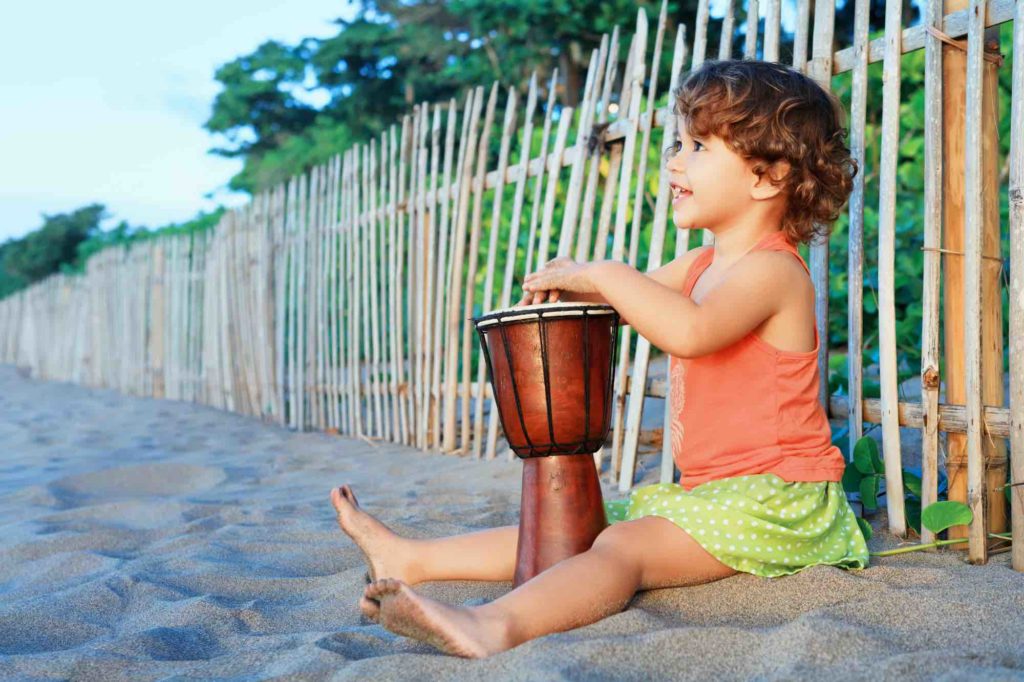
{"x": 341, "y": 300}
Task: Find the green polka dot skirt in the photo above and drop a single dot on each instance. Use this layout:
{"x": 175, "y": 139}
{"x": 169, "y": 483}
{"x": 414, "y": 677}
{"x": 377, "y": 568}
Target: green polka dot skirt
{"x": 757, "y": 524}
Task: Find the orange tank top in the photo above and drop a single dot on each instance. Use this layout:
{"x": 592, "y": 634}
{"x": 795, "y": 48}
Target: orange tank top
{"x": 750, "y": 408}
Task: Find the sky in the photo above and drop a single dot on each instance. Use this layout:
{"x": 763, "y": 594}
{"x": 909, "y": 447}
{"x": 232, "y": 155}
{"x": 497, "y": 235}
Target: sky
{"x": 105, "y": 102}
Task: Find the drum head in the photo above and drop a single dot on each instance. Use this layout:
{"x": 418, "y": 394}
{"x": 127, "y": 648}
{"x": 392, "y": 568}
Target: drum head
{"x": 545, "y": 310}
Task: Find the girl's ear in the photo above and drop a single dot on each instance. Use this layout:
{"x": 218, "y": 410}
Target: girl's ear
{"x": 769, "y": 184}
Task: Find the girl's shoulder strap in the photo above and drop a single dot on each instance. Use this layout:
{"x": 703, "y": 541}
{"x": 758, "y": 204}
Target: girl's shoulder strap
{"x": 699, "y": 265}
{"x": 778, "y": 241}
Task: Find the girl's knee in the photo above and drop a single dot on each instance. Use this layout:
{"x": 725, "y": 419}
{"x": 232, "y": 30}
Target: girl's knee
{"x": 624, "y": 533}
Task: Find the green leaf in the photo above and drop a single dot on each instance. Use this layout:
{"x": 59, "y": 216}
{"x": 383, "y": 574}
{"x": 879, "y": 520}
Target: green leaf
{"x": 869, "y": 492}
{"x": 865, "y": 452}
{"x": 912, "y": 482}
{"x": 913, "y": 509}
{"x": 851, "y": 478}
{"x": 865, "y": 528}
{"x": 939, "y": 516}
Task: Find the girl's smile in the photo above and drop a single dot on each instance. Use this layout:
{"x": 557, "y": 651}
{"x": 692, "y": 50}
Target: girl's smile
{"x": 678, "y": 193}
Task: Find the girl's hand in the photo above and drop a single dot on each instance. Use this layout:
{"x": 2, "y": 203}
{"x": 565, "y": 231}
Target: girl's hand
{"x": 560, "y": 274}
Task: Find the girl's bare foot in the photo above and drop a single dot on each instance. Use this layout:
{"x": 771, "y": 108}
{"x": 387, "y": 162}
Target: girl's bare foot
{"x": 386, "y": 553}
{"x": 453, "y": 630}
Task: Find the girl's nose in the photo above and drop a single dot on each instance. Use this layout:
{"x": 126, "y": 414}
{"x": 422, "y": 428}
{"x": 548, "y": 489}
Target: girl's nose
{"x": 675, "y": 163}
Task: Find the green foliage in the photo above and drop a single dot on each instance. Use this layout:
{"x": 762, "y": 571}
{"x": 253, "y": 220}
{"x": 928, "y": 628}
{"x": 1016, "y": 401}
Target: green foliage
{"x": 864, "y": 474}
{"x": 124, "y": 234}
{"x": 394, "y": 54}
{"x": 66, "y": 241}
{"x": 42, "y": 252}
{"x": 256, "y": 103}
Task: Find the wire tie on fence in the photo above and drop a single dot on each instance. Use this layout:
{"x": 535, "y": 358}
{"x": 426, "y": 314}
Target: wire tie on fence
{"x": 959, "y": 253}
{"x": 597, "y": 135}
{"x": 996, "y": 58}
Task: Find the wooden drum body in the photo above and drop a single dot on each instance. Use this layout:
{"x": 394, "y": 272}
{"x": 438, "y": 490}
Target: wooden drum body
{"x": 551, "y": 368}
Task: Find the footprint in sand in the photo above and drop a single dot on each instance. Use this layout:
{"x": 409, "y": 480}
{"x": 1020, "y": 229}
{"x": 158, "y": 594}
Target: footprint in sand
{"x": 159, "y": 478}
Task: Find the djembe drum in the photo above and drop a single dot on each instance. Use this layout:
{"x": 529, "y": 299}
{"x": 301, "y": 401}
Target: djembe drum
{"x": 551, "y": 367}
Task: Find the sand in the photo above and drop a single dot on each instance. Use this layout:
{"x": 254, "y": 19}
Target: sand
{"x": 147, "y": 539}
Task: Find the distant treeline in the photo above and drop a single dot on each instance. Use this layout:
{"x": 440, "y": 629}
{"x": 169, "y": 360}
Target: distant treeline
{"x": 66, "y": 240}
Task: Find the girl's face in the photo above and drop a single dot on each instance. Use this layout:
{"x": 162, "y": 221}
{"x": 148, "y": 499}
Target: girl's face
{"x": 710, "y": 183}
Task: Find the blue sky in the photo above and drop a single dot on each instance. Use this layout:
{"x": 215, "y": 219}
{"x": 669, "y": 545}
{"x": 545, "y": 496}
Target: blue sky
{"x": 105, "y": 101}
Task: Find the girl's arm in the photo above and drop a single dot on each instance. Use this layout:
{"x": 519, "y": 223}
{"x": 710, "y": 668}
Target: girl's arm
{"x": 671, "y": 275}
{"x": 758, "y": 286}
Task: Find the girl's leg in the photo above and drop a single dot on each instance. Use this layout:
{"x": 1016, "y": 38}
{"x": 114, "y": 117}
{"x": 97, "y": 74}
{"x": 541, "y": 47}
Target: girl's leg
{"x": 646, "y": 553}
{"x": 484, "y": 555}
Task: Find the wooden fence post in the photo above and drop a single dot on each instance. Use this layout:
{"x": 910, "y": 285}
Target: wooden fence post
{"x": 955, "y": 107}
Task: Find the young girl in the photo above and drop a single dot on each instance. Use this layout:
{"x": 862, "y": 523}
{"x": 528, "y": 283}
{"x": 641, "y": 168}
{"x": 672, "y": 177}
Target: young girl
{"x": 760, "y": 161}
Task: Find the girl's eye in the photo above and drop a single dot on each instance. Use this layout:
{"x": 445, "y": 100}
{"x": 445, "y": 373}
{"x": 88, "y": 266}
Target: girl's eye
{"x": 697, "y": 144}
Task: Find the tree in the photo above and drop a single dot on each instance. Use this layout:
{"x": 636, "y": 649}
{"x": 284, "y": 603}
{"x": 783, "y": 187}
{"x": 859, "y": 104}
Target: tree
{"x": 41, "y": 252}
{"x": 395, "y": 53}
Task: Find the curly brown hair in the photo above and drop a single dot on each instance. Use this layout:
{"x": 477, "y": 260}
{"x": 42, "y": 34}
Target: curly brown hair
{"x": 767, "y": 112}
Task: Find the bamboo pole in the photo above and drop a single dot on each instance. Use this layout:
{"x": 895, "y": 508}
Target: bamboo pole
{"x": 933, "y": 170}
{"x": 729, "y": 26}
{"x": 643, "y": 345}
{"x": 404, "y": 416}
{"x": 468, "y": 337}
{"x": 414, "y": 283}
{"x": 956, "y": 321}
{"x": 455, "y": 284}
{"x": 1016, "y": 228}
{"x": 443, "y": 275}
{"x": 334, "y": 302}
{"x": 567, "y": 234}
{"x": 820, "y": 69}
{"x": 357, "y": 291}
{"x": 313, "y": 344}
{"x": 323, "y": 291}
{"x": 507, "y": 126}
{"x": 772, "y": 21}
{"x": 886, "y": 271}
{"x": 513, "y": 238}
{"x": 667, "y": 469}
{"x": 545, "y": 167}
{"x": 380, "y": 417}
{"x": 855, "y": 246}
{"x": 972, "y": 292}
{"x": 302, "y": 387}
{"x": 596, "y": 146}
{"x": 423, "y": 275}
{"x": 750, "y": 44}
{"x": 636, "y": 78}
{"x": 351, "y": 266}
{"x": 388, "y": 280}
{"x": 156, "y": 336}
{"x": 608, "y": 191}
{"x": 413, "y": 272}
{"x": 700, "y": 35}
{"x": 281, "y": 281}
{"x": 803, "y": 21}
{"x": 432, "y": 316}
{"x": 365, "y": 368}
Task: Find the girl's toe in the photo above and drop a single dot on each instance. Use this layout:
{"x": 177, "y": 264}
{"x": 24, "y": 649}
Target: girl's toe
{"x": 369, "y": 608}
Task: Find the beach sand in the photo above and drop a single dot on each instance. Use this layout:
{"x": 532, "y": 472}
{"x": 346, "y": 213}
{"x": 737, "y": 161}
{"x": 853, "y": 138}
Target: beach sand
{"x": 145, "y": 539}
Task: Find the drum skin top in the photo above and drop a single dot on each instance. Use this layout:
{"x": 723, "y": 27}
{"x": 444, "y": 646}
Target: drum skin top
{"x": 537, "y": 310}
